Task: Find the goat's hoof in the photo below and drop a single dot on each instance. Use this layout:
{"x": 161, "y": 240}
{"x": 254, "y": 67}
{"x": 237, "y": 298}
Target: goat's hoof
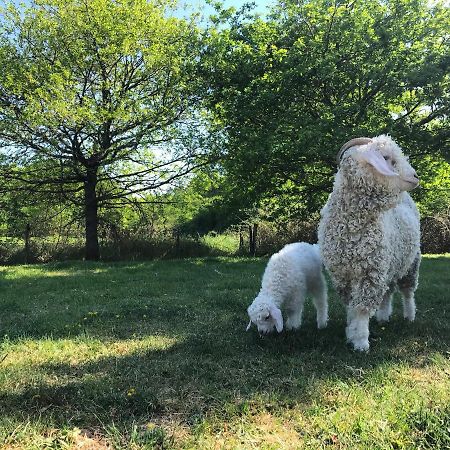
{"x": 382, "y": 318}
{"x": 361, "y": 346}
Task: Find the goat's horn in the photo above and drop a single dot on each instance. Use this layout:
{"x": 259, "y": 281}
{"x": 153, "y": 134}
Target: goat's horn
{"x": 351, "y": 143}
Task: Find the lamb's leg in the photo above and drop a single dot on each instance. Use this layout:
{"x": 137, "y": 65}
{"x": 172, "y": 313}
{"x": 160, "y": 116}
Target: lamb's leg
{"x": 294, "y": 311}
{"x": 357, "y": 330}
{"x": 384, "y": 311}
{"x": 407, "y": 286}
{"x": 320, "y": 299}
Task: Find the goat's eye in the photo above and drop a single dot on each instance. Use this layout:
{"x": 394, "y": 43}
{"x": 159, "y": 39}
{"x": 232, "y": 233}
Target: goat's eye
{"x": 386, "y": 158}
{"x": 267, "y": 317}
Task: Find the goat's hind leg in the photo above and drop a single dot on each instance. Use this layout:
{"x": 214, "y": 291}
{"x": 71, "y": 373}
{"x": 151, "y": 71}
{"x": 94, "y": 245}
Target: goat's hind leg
{"x": 407, "y": 286}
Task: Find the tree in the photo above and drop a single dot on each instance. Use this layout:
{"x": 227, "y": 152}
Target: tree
{"x": 97, "y": 101}
{"x": 290, "y": 89}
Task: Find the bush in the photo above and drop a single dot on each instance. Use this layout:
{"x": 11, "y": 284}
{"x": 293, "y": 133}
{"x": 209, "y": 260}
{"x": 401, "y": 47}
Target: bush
{"x": 436, "y": 234}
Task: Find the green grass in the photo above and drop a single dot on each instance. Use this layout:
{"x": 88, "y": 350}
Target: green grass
{"x": 154, "y": 355}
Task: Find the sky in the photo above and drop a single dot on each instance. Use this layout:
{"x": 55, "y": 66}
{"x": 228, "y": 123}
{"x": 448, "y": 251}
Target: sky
{"x": 261, "y": 6}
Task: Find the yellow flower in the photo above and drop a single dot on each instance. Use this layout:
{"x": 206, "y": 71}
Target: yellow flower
{"x": 131, "y": 392}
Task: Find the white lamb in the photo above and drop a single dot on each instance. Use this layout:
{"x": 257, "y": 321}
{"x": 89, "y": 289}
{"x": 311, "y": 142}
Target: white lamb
{"x": 369, "y": 233}
{"x": 291, "y": 274}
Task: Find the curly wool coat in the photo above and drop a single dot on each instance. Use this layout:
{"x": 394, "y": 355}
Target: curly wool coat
{"x": 291, "y": 274}
{"x": 369, "y": 232}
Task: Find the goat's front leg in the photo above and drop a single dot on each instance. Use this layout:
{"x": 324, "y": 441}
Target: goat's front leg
{"x": 357, "y": 330}
{"x": 384, "y": 311}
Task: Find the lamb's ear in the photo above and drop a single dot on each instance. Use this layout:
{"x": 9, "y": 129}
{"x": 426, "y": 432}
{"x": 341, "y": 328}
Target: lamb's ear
{"x": 376, "y": 160}
{"x": 248, "y": 326}
{"x": 276, "y": 315}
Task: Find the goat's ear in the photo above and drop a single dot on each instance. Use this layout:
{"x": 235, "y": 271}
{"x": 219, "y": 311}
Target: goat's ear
{"x": 277, "y": 317}
{"x": 376, "y": 160}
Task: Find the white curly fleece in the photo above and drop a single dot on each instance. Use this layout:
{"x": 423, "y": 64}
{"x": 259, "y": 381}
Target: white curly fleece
{"x": 369, "y": 233}
{"x": 291, "y": 274}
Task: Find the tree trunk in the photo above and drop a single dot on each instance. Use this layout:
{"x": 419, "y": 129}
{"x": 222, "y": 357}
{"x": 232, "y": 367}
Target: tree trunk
{"x": 92, "y": 251}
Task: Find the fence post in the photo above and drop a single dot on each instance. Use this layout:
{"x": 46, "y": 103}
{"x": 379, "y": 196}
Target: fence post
{"x": 27, "y": 243}
{"x": 241, "y": 242}
{"x": 252, "y": 231}
{"x": 255, "y": 234}
{"x": 177, "y": 242}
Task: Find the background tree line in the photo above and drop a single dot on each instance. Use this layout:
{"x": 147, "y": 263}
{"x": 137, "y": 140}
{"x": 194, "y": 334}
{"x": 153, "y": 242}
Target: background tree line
{"x": 119, "y": 120}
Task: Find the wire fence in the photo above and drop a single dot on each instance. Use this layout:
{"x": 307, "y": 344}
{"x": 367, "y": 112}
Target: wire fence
{"x": 254, "y": 239}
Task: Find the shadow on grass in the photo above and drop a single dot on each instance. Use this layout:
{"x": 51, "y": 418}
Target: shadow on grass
{"x": 214, "y": 367}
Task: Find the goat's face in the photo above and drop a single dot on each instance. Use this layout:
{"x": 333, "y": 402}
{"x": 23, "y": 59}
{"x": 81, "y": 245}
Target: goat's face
{"x": 384, "y": 163}
{"x": 265, "y": 315}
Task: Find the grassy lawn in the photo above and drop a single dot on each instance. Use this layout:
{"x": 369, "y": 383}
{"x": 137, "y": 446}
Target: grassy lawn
{"x": 154, "y": 355}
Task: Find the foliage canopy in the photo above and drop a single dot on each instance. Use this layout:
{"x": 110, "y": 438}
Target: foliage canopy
{"x": 290, "y": 89}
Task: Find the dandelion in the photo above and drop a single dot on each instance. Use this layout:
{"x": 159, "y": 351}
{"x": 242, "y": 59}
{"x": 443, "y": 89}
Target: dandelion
{"x": 131, "y": 392}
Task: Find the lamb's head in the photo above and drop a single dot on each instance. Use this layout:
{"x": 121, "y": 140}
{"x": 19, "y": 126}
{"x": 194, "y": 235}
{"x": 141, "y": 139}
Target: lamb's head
{"x": 377, "y": 161}
{"x": 265, "y": 315}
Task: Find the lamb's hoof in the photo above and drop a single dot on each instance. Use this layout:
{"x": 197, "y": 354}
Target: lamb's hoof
{"x": 410, "y": 317}
{"x": 292, "y": 325}
{"x": 321, "y": 325}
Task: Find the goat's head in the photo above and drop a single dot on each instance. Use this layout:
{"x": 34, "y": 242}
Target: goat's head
{"x": 382, "y": 161}
{"x": 265, "y": 315}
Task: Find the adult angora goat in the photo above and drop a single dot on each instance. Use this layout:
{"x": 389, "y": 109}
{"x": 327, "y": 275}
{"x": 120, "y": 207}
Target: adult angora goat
{"x": 369, "y": 233}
